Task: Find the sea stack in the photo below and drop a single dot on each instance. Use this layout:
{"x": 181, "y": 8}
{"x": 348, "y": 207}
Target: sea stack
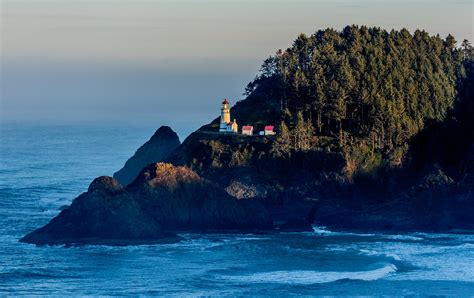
{"x": 156, "y": 149}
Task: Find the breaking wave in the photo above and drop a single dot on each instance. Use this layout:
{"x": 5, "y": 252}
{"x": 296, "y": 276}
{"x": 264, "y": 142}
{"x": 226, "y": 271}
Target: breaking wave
{"x": 323, "y": 231}
{"x": 376, "y": 253}
{"x": 313, "y": 277}
{"x": 404, "y": 237}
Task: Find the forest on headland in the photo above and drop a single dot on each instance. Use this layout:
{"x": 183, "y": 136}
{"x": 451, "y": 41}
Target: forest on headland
{"x": 368, "y": 93}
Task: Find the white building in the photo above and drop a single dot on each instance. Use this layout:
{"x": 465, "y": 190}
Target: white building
{"x": 226, "y": 125}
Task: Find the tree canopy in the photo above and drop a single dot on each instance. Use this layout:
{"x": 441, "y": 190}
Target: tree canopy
{"x": 362, "y": 86}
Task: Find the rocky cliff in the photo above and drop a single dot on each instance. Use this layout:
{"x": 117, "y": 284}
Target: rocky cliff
{"x": 156, "y": 149}
{"x": 163, "y": 199}
{"x": 229, "y": 182}
{"x": 226, "y": 182}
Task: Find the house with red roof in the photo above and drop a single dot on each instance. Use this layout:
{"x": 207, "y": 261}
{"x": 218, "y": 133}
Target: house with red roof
{"x": 269, "y": 130}
{"x": 247, "y": 130}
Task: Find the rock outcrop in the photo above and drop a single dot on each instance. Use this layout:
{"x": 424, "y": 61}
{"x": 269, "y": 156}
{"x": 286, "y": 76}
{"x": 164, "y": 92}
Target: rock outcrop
{"x": 105, "y": 212}
{"x": 179, "y": 199}
{"x": 156, "y": 149}
{"x": 163, "y": 199}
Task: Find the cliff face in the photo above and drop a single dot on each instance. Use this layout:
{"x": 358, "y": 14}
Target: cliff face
{"x": 156, "y": 149}
{"x": 244, "y": 165}
{"x": 179, "y": 199}
{"x": 314, "y": 185}
{"x": 215, "y": 155}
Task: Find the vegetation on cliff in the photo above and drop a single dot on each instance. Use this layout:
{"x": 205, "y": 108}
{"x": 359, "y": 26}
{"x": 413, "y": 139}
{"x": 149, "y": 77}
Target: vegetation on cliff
{"x": 367, "y": 90}
{"x": 395, "y": 107}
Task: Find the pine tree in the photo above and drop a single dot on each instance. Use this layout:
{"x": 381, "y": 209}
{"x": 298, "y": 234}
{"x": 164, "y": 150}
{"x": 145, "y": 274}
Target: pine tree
{"x": 303, "y": 134}
{"x": 282, "y": 145}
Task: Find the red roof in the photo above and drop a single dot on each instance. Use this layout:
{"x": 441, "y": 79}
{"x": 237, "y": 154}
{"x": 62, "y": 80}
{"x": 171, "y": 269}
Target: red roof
{"x": 225, "y": 101}
{"x": 247, "y": 127}
{"x": 269, "y": 127}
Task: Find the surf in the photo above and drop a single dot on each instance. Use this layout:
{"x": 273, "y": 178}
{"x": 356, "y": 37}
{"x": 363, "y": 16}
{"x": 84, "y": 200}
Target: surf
{"x": 306, "y": 277}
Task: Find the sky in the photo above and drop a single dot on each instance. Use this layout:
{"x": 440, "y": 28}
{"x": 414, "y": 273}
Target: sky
{"x": 170, "y": 62}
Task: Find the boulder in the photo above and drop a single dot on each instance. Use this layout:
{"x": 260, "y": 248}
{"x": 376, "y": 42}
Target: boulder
{"x": 105, "y": 184}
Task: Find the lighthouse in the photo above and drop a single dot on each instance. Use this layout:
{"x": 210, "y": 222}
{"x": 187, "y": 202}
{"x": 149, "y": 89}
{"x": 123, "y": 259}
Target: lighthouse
{"x": 227, "y": 125}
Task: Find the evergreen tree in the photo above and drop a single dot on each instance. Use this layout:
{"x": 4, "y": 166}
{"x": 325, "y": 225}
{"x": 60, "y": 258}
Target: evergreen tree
{"x": 303, "y": 134}
{"x": 282, "y": 144}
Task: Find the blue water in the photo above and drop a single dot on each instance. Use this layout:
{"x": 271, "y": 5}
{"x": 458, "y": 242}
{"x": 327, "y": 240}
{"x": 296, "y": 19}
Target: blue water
{"x": 43, "y": 167}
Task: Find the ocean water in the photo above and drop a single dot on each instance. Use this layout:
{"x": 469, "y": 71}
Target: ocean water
{"x": 43, "y": 167}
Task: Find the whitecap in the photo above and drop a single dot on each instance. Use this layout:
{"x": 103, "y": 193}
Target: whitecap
{"x": 376, "y": 253}
{"x": 250, "y": 238}
{"x": 403, "y": 237}
{"x": 323, "y": 231}
{"x": 307, "y": 277}
{"x": 465, "y": 246}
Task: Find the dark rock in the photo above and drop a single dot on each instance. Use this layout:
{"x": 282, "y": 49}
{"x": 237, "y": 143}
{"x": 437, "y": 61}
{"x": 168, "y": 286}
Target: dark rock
{"x": 63, "y": 207}
{"x": 156, "y": 149}
{"x": 97, "y": 215}
{"x": 179, "y": 199}
{"x": 162, "y": 199}
{"x": 106, "y": 211}
{"x": 105, "y": 184}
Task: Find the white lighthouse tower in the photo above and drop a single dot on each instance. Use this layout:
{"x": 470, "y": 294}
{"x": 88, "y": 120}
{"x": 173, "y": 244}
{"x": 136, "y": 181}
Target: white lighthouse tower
{"x": 227, "y": 125}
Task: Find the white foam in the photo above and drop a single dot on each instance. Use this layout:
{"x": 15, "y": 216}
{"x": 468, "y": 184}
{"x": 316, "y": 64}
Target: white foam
{"x": 323, "y": 231}
{"x": 250, "y": 238}
{"x": 376, "y": 253}
{"x": 403, "y": 237}
{"x": 432, "y": 261}
{"x": 313, "y": 277}
{"x": 465, "y": 246}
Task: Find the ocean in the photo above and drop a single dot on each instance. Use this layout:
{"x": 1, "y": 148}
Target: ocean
{"x": 45, "y": 166}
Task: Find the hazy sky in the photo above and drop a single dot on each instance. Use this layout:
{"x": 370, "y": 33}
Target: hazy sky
{"x": 147, "y": 62}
